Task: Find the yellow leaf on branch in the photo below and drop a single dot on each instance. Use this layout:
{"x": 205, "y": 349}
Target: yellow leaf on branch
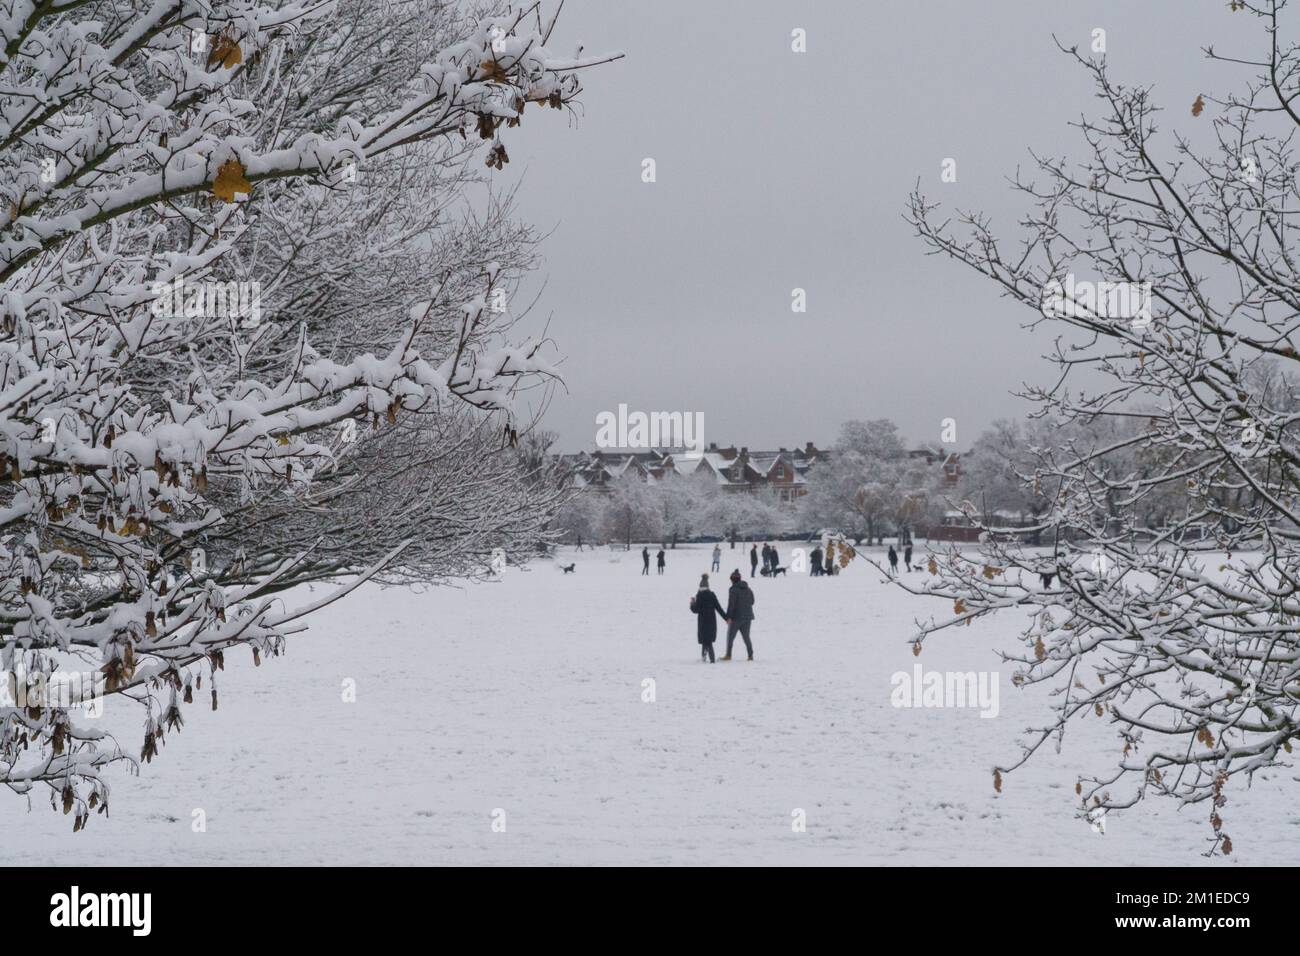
{"x": 230, "y": 180}
{"x": 493, "y": 72}
{"x": 225, "y": 50}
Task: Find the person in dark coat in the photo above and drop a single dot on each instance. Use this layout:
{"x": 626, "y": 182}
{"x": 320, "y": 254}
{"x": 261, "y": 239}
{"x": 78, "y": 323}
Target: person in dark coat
{"x": 703, "y": 606}
{"x": 830, "y": 563}
{"x": 753, "y": 559}
{"x": 645, "y": 560}
{"x": 740, "y": 613}
{"x": 815, "y": 561}
{"x": 660, "y": 561}
{"x": 893, "y": 560}
{"x": 907, "y": 555}
{"x": 776, "y": 558}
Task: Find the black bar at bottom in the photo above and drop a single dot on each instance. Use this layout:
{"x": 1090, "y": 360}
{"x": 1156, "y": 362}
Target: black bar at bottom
{"x": 214, "y": 905}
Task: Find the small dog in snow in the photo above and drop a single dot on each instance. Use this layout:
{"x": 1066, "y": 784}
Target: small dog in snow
{"x": 568, "y": 569}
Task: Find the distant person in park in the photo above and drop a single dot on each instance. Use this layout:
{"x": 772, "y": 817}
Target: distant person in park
{"x": 830, "y": 563}
{"x": 717, "y": 558}
{"x": 893, "y": 560}
{"x": 645, "y": 560}
{"x": 703, "y": 606}
{"x": 776, "y": 558}
{"x": 740, "y": 613}
{"x": 753, "y": 559}
{"x": 579, "y": 542}
{"x": 767, "y": 556}
{"x": 907, "y": 555}
{"x": 659, "y": 561}
{"x": 815, "y": 561}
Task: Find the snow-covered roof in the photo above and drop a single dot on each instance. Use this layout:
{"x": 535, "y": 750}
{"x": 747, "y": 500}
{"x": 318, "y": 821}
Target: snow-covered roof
{"x": 687, "y": 464}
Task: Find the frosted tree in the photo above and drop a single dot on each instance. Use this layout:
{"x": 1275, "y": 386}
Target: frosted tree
{"x": 683, "y": 506}
{"x": 745, "y": 515}
{"x": 250, "y": 338}
{"x": 579, "y": 518}
{"x": 1186, "y": 648}
{"x": 631, "y": 511}
{"x": 871, "y": 486}
{"x": 991, "y": 473}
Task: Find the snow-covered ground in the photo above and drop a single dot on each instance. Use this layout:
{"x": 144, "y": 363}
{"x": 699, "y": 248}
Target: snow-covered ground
{"x": 526, "y": 696}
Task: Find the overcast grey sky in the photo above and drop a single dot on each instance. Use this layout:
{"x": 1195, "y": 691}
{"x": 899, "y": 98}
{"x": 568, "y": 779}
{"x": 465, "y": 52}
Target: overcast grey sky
{"x": 779, "y": 170}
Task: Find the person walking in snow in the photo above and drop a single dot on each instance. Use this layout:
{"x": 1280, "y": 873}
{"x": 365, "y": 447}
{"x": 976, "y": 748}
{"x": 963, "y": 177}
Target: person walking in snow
{"x": 893, "y": 561}
{"x": 907, "y": 555}
{"x": 717, "y": 558}
{"x": 767, "y": 556}
{"x": 704, "y": 605}
{"x": 815, "y": 561}
{"x": 753, "y": 559}
{"x": 659, "y": 561}
{"x": 776, "y": 558}
{"x": 740, "y": 613}
{"x": 645, "y": 560}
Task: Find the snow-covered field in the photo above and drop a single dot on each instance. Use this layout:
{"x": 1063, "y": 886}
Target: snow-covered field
{"x": 526, "y": 696}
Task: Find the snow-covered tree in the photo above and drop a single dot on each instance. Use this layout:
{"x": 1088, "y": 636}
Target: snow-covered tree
{"x": 252, "y": 334}
{"x": 680, "y": 514}
{"x": 579, "y": 519}
{"x": 991, "y": 472}
{"x": 1190, "y": 655}
{"x": 870, "y": 487}
{"x": 745, "y": 516}
{"x": 631, "y": 511}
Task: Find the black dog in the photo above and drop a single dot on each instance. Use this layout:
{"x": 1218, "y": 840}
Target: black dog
{"x": 771, "y": 572}
{"x": 568, "y": 569}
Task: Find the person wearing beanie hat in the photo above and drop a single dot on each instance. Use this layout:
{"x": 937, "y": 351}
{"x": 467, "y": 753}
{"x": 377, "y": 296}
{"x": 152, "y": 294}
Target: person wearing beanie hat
{"x": 703, "y": 606}
{"x": 740, "y": 613}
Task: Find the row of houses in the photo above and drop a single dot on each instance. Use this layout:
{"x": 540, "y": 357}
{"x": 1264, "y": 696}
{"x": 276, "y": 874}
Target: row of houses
{"x": 783, "y": 472}
{"x": 733, "y": 469}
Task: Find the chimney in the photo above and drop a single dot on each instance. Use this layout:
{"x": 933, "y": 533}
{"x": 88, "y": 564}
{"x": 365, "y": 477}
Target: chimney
{"x": 809, "y": 449}
{"x": 713, "y": 446}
